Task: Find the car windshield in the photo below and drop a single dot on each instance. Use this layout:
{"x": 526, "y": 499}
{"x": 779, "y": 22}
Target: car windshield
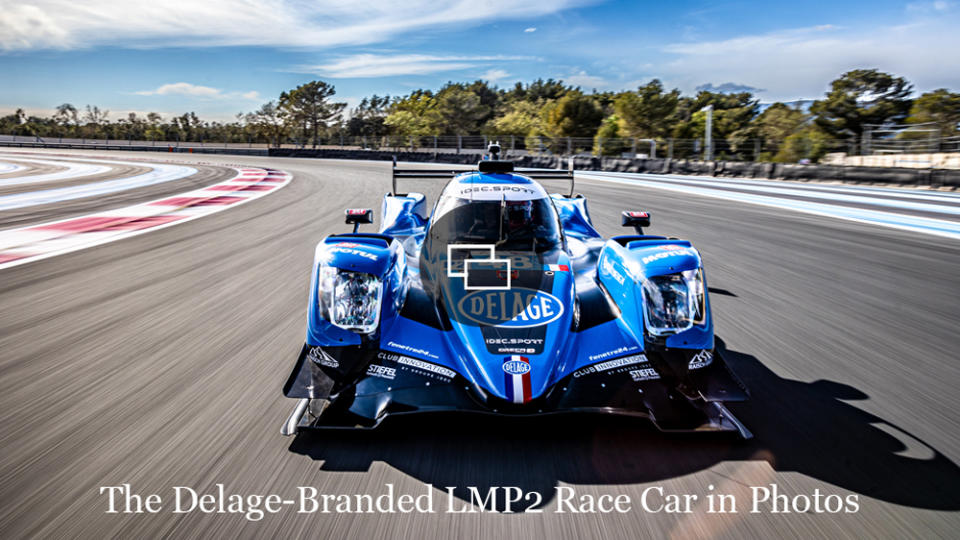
{"x": 526, "y": 225}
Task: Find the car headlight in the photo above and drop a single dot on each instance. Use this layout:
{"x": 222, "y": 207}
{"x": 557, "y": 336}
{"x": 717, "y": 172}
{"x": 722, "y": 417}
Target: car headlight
{"x": 674, "y": 302}
{"x": 350, "y": 300}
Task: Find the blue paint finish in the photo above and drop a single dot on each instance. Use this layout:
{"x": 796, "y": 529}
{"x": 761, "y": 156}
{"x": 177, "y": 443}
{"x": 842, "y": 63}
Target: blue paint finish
{"x": 619, "y": 266}
{"x": 492, "y": 178}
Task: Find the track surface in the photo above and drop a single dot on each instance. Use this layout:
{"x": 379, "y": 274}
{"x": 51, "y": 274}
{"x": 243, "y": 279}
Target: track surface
{"x": 158, "y": 361}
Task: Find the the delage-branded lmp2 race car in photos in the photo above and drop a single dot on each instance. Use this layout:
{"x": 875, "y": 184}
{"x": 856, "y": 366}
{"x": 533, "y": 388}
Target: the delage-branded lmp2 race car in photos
{"x": 506, "y": 300}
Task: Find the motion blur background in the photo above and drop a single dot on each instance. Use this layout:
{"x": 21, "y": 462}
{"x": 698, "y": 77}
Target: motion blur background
{"x": 154, "y": 260}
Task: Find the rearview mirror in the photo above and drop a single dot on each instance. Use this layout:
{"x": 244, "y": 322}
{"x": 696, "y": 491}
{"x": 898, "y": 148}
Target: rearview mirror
{"x": 636, "y": 219}
{"x": 358, "y": 216}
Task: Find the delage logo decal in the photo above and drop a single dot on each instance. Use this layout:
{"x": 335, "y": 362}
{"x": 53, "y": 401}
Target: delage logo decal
{"x": 529, "y": 308}
{"x": 516, "y": 367}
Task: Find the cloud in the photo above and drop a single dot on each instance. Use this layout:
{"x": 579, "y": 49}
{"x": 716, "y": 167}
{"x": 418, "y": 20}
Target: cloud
{"x": 67, "y": 24}
{"x": 530, "y": 30}
{"x": 197, "y": 91}
{"x": 584, "y": 80}
{"x": 939, "y": 6}
{"x": 494, "y": 75}
{"x": 182, "y": 89}
{"x": 800, "y": 63}
{"x": 374, "y": 65}
{"x": 728, "y": 88}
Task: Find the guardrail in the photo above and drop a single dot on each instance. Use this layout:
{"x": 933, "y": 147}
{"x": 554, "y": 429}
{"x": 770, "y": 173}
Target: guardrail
{"x": 739, "y": 169}
{"x": 743, "y": 169}
{"x": 89, "y": 144}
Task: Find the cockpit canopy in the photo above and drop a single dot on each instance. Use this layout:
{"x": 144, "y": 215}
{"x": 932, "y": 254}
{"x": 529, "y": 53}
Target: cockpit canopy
{"x": 512, "y": 212}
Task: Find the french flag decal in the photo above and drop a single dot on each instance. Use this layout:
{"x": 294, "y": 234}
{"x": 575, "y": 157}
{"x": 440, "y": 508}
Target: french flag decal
{"x": 516, "y": 369}
{"x": 558, "y": 267}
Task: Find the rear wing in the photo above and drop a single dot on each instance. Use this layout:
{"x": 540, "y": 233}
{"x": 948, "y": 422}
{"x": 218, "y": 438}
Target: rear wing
{"x": 484, "y": 166}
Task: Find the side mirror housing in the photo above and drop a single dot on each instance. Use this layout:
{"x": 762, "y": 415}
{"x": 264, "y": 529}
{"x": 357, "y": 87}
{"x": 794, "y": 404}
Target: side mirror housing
{"x": 636, "y": 219}
{"x": 356, "y": 216}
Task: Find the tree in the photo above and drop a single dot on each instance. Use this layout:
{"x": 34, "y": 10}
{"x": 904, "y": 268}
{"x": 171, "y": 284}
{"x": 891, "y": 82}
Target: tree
{"x": 489, "y": 98}
{"x": 732, "y": 114}
{"x": 539, "y": 91}
{"x": 270, "y": 122}
{"x": 573, "y": 115}
{"x": 645, "y": 113}
{"x": 861, "y": 97}
{"x": 414, "y": 115}
{"x": 187, "y": 127}
{"x": 461, "y": 111}
{"x": 808, "y": 143}
{"x": 774, "y": 125}
{"x": 941, "y": 107}
{"x": 309, "y": 107}
{"x": 94, "y": 115}
{"x": 67, "y": 116}
{"x": 521, "y": 118}
{"x": 608, "y": 141}
{"x": 367, "y": 118}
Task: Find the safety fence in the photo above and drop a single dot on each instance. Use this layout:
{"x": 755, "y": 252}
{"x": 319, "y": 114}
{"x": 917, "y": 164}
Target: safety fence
{"x": 738, "y": 149}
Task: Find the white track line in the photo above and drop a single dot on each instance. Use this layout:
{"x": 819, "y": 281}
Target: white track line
{"x": 942, "y": 206}
{"x": 936, "y": 227}
{"x": 906, "y": 193}
{"x": 159, "y": 173}
{"x": 73, "y": 170}
{"x": 37, "y": 242}
{"x": 7, "y": 168}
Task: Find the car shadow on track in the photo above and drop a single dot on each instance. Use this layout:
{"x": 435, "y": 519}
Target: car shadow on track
{"x": 802, "y": 427}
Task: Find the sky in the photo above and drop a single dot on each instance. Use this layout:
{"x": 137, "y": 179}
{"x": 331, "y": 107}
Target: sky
{"x": 222, "y": 57}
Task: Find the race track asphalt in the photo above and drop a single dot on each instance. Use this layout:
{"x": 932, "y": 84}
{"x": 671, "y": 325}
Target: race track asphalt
{"x": 158, "y": 361}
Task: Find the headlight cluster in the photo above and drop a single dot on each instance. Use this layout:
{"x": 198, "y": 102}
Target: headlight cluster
{"x": 674, "y": 303}
{"x": 350, "y": 300}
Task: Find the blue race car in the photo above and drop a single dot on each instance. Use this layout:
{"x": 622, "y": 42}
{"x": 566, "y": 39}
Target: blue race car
{"x": 505, "y": 300}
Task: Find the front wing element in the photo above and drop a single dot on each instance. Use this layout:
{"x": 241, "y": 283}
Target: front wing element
{"x": 389, "y": 384}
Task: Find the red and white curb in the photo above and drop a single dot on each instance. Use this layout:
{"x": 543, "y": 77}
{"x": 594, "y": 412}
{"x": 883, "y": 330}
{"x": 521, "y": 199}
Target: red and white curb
{"x": 28, "y": 244}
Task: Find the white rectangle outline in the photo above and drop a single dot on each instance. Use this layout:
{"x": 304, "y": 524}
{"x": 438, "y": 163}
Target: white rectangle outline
{"x": 450, "y": 247}
{"x": 466, "y": 272}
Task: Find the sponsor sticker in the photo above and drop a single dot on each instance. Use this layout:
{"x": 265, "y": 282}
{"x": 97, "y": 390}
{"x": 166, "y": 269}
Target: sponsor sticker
{"x": 384, "y": 372}
{"x": 517, "y": 378}
{"x": 620, "y": 362}
{"x": 608, "y": 354}
{"x": 612, "y": 365}
{"x": 411, "y": 349}
{"x": 427, "y": 366}
{"x": 644, "y": 374}
{"x": 319, "y": 357}
{"x": 516, "y": 367}
{"x": 353, "y": 251}
{"x": 701, "y": 359}
{"x": 673, "y": 251}
{"x": 497, "y": 188}
{"x": 608, "y": 267}
{"x": 528, "y": 308}
{"x": 421, "y": 368}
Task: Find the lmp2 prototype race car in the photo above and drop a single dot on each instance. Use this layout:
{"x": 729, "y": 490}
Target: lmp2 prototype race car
{"x": 506, "y": 300}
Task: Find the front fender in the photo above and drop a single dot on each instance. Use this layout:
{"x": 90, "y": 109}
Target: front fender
{"x": 374, "y": 254}
{"x": 626, "y": 261}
